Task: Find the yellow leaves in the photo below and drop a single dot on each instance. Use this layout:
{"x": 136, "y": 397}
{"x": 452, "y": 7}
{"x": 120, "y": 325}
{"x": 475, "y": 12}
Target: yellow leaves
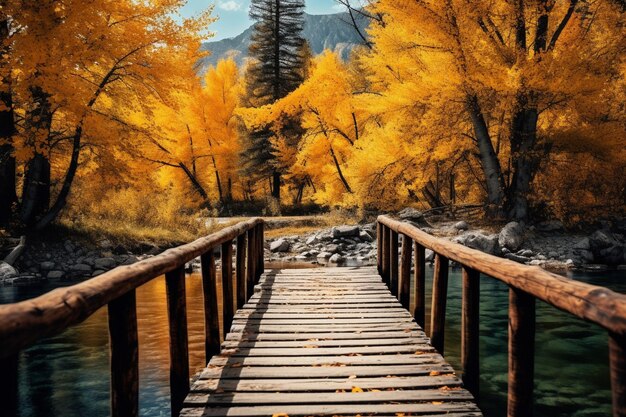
{"x": 356, "y": 390}
{"x": 280, "y": 415}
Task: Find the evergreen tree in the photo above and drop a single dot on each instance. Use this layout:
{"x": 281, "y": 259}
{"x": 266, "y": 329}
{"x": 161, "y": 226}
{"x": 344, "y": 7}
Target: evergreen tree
{"x": 276, "y": 70}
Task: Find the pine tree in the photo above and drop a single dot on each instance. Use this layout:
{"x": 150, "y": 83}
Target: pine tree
{"x": 276, "y": 70}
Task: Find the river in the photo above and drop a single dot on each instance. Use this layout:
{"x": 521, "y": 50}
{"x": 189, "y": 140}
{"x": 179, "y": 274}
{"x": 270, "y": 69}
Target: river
{"x": 68, "y": 374}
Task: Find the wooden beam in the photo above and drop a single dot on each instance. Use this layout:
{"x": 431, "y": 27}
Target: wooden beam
{"x": 419, "y": 311}
{"x": 617, "y": 357}
{"x": 240, "y": 271}
{"x": 393, "y": 259}
{"x": 227, "y": 286}
{"x": 251, "y": 263}
{"x": 9, "y": 395}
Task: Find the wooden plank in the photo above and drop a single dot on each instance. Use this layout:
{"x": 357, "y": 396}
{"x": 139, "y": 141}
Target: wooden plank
{"x": 259, "y": 372}
{"x": 322, "y": 343}
{"x": 323, "y": 336}
{"x": 380, "y": 360}
{"x": 334, "y": 409}
{"x": 322, "y": 307}
{"x": 179, "y": 351}
{"x": 321, "y": 322}
{"x": 240, "y": 270}
{"x": 375, "y": 350}
{"x": 259, "y": 399}
{"x": 227, "y": 286}
{"x": 438, "y": 307}
{"x": 521, "y": 354}
{"x": 340, "y": 328}
{"x": 272, "y": 314}
{"x": 124, "y": 354}
{"x": 211, "y": 313}
{"x": 324, "y": 384}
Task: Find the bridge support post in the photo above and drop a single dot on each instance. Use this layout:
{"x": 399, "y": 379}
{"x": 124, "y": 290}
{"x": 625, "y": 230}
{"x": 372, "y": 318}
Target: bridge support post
{"x": 386, "y": 263}
{"x": 211, "y": 313}
{"x": 241, "y": 270}
{"x": 617, "y": 355}
{"x": 419, "y": 312}
{"x": 521, "y": 353}
{"x": 9, "y": 395}
{"x": 179, "y": 350}
{"x": 251, "y": 262}
{"x": 470, "y": 330}
{"x": 227, "y": 286}
{"x": 405, "y": 272}
{"x": 393, "y": 259}
{"x": 440, "y": 297}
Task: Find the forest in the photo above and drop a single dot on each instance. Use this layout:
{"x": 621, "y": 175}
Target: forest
{"x": 516, "y": 107}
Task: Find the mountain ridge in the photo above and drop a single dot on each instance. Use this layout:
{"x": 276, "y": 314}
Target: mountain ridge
{"x": 327, "y": 31}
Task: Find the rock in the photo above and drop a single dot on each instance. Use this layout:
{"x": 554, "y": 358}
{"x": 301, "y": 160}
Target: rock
{"x": 7, "y": 271}
{"x": 410, "y": 213}
{"x": 430, "y": 255}
{"x": 517, "y": 258}
{"x": 462, "y": 225}
{"x": 105, "y": 244}
{"x": 47, "y": 266}
{"x": 280, "y": 245}
{"x": 511, "y": 236}
{"x": 475, "y": 240}
{"x": 365, "y": 236}
{"x": 583, "y": 244}
{"x": 97, "y": 272}
{"x": 606, "y": 248}
{"x": 346, "y": 231}
{"x": 570, "y": 263}
{"x": 526, "y": 253}
{"x": 69, "y": 248}
{"x": 336, "y": 258}
{"x": 81, "y": 268}
{"x": 312, "y": 240}
{"x": 324, "y": 255}
{"x": 104, "y": 263}
{"x": 550, "y": 226}
{"x": 55, "y": 274}
{"x": 332, "y": 248}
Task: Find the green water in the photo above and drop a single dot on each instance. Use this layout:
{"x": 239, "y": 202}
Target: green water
{"x": 68, "y": 375}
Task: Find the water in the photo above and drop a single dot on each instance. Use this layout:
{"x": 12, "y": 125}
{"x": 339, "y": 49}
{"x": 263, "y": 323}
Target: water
{"x": 68, "y": 375}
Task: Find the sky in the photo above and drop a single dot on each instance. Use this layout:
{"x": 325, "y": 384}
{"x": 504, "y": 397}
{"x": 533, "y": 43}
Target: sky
{"x": 233, "y": 14}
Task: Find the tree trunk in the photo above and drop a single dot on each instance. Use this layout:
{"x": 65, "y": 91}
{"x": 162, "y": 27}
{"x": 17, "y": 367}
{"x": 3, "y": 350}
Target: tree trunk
{"x": 339, "y": 171}
{"x": 276, "y": 186}
{"x": 8, "y": 195}
{"x": 36, "y": 192}
{"x": 488, "y": 159}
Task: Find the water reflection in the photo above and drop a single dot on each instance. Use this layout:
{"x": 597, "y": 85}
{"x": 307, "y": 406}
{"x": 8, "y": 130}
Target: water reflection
{"x": 68, "y": 375}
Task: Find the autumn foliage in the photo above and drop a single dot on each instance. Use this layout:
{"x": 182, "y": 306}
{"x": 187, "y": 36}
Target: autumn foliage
{"x": 515, "y": 106}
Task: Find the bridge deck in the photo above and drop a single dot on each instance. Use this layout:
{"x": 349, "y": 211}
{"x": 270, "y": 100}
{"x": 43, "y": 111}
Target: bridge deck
{"x": 326, "y": 342}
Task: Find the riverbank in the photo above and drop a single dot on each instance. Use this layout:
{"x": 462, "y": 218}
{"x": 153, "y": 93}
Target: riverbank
{"x": 310, "y": 240}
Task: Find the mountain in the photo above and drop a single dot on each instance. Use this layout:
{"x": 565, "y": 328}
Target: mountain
{"x": 331, "y": 31}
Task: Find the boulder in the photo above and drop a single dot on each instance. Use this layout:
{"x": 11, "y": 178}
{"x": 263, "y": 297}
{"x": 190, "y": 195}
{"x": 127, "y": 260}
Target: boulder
{"x": 478, "y": 241}
{"x": 430, "y": 255}
{"x": 336, "y": 258}
{"x": 47, "y": 266}
{"x": 517, "y": 258}
{"x": 462, "y": 225}
{"x": 324, "y": 255}
{"x": 511, "y": 236}
{"x": 7, "y": 271}
{"x": 365, "y": 236}
{"x": 346, "y": 231}
{"x": 312, "y": 240}
{"x": 606, "y": 248}
{"x": 81, "y": 268}
{"x": 55, "y": 274}
{"x": 410, "y": 213}
{"x": 104, "y": 263}
{"x": 280, "y": 245}
{"x": 332, "y": 248}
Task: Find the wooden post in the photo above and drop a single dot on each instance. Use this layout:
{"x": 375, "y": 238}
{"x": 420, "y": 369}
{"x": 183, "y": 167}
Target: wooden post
{"x": 124, "y": 352}
{"x": 521, "y": 353}
{"x": 386, "y": 262}
{"x": 470, "y": 330}
{"x": 241, "y": 270}
{"x": 211, "y": 313}
{"x": 405, "y": 272}
{"x": 251, "y": 262}
{"x": 9, "y": 395}
{"x": 393, "y": 258}
{"x": 260, "y": 255}
{"x": 419, "y": 312}
{"x": 227, "y": 286}
{"x": 179, "y": 351}
{"x": 379, "y": 247}
{"x": 440, "y": 298}
{"x": 617, "y": 356}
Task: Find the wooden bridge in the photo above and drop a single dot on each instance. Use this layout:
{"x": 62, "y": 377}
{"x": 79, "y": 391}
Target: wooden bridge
{"x": 329, "y": 341}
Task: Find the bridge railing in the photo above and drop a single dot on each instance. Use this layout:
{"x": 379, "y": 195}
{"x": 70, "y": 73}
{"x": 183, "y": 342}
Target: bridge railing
{"x": 526, "y": 284}
{"x": 23, "y": 323}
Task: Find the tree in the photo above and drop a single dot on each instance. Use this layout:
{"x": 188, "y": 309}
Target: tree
{"x": 8, "y": 196}
{"x": 277, "y": 49}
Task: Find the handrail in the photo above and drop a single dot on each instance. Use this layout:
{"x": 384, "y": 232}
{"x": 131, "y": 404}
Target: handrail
{"x": 23, "y": 323}
{"x": 596, "y": 304}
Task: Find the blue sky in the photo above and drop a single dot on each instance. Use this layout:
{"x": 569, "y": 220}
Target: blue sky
{"x": 233, "y": 14}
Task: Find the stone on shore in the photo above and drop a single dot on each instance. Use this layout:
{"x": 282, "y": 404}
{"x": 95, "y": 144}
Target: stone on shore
{"x": 346, "y": 231}
{"x": 511, "y": 236}
{"x": 7, "y": 271}
{"x": 280, "y": 245}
